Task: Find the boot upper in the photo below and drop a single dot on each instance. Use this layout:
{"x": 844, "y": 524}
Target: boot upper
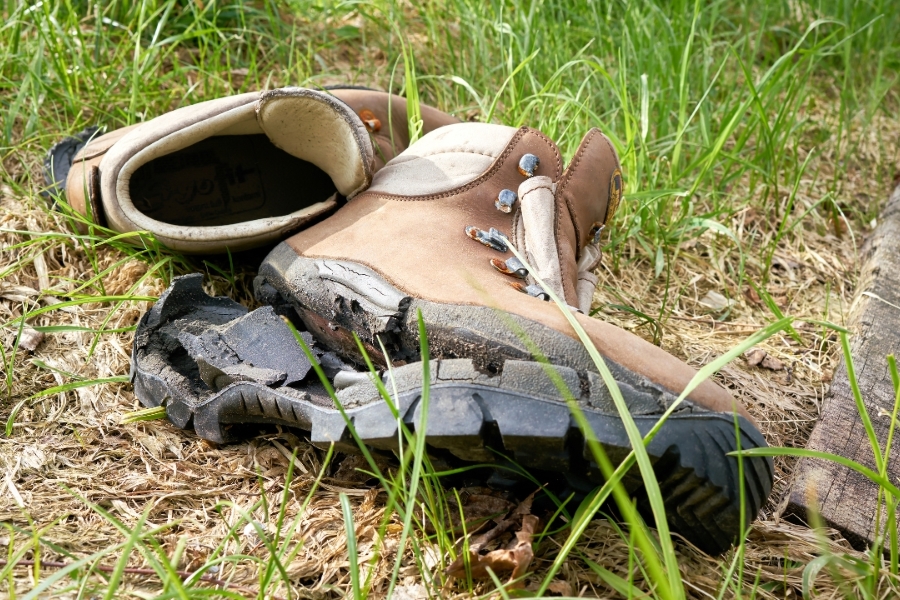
{"x": 420, "y": 223}
{"x": 384, "y": 116}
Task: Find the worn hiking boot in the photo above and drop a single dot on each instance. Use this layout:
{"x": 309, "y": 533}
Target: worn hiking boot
{"x": 431, "y": 235}
{"x": 236, "y": 172}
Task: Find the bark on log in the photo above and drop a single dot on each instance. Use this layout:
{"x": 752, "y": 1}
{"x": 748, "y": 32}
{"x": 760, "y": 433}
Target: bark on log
{"x": 846, "y": 500}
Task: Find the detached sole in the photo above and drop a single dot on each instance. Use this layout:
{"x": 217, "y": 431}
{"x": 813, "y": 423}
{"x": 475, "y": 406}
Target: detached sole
{"x": 518, "y": 414}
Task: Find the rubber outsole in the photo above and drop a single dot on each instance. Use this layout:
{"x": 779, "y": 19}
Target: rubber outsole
{"x": 515, "y": 414}
{"x": 483, "y": 423}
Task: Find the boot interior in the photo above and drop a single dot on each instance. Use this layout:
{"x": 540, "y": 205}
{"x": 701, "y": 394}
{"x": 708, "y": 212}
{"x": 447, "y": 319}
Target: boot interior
{"x": 225, "y": 180}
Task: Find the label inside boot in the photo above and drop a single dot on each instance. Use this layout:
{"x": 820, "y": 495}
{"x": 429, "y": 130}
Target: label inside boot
{"x": 225, "y": 180}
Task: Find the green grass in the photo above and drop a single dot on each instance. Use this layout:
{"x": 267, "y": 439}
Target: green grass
{"x": 715, "y": 108}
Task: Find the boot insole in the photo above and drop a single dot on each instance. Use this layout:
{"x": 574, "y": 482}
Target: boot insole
{"x": 225, "y": 180}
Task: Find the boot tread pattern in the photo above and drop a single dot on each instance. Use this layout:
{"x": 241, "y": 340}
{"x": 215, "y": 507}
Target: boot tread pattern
{"x": 517, "y": 415}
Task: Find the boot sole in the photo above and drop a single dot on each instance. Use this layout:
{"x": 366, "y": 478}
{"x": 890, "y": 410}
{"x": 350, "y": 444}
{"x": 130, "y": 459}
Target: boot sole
{"x": 700, "y": 484}
{"x": 479, "y": 419}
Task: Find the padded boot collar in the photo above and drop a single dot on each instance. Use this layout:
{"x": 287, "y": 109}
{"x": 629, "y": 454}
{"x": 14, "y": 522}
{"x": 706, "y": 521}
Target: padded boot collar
{"x": 310, "y": 125}
{"x": 319, "y": 129}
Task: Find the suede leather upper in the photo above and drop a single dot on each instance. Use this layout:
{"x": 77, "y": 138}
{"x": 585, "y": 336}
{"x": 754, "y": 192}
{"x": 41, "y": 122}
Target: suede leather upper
{"x": 388, "y": 129}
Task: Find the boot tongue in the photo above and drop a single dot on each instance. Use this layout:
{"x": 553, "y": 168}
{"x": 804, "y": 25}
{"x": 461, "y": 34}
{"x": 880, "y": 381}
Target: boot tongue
{"x": 321, "y": 130}
{"x": 591, "y": 188}
{"x": 587, "y": 195}
{"x": 535, "y": 236}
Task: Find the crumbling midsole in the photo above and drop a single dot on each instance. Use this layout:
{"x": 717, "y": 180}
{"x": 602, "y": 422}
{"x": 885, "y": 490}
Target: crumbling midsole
{"x": 337, "y": 299}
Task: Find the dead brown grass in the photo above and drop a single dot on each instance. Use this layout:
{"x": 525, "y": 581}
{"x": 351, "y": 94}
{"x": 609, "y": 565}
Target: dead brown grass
{"x": 71, "y": 445}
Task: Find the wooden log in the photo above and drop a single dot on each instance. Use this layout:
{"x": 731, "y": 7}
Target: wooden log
{"x": 846, "y": 500}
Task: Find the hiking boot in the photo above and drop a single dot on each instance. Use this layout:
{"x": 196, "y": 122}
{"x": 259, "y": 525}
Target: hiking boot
{"x": 431, "y": 236}
{"x": 236, "y": 172}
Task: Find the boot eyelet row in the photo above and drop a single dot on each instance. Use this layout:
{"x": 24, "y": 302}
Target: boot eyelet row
{"x": 498, "y": 241}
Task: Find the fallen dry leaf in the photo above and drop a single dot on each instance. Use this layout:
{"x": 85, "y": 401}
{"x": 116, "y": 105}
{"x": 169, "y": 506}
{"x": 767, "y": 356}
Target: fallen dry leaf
{"x": 752, "y": 295}
{"x": 515, "y": 558}
{"x": 715, "y": 301}
{"x": 31, "y": 339}
{"x": 479, "y": 505}
{"x": 561, "y": 587}
{"x": 771, "y": 363}
{"x": 755, "y": 356}
{"x": 759, "y": 357}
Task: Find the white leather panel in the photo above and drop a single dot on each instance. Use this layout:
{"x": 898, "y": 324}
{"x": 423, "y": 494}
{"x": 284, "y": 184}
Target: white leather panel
{"x": 445, "y": 159}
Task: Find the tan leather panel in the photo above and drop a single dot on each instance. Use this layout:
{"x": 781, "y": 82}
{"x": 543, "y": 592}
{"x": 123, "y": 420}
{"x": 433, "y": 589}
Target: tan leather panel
{"x": 420, "y": 246}
{"x": 585, "y": 186}
{"x": 79, "y": 182}
{"x": 565, "y": 245}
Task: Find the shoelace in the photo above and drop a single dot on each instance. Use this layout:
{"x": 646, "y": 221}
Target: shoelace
{"x": 533, "y": 237}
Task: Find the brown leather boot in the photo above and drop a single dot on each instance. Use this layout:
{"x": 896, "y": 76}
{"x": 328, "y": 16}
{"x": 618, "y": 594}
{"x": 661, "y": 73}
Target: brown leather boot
{"x": 235, "y": 172}
{"x": 432, "y": 235}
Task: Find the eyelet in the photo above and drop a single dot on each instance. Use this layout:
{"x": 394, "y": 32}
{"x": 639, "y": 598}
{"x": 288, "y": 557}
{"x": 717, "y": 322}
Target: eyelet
{"x": 505, "y": 201}
{"x": 528, "y": 165}
{"x": 532, "y": 290}
{"x": 512, "y": 266}
{"x": 491, "y": 238}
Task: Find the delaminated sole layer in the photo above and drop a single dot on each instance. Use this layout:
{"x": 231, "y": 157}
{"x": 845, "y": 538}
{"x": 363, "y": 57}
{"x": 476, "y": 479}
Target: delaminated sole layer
{"x": 216, "y": 367}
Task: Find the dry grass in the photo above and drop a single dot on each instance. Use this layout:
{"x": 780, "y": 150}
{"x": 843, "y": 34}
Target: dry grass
{"x": 71, "y": 445}
{"x": 70, "y": 448}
